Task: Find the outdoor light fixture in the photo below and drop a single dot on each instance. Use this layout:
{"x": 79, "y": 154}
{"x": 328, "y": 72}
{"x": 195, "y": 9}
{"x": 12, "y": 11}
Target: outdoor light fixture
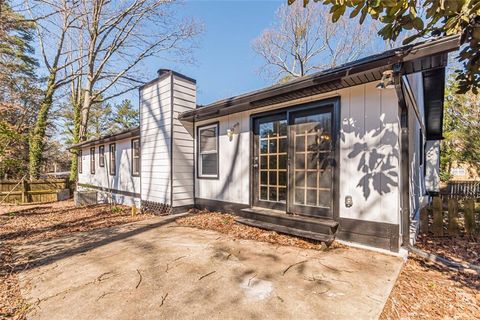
{"x": 387, "y": 81}
{"x": 231, "y": 131}
{"x": 348, "y": 201}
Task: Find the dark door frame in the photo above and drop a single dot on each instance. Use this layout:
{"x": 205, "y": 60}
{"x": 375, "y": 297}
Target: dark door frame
{"x": 306, "y": 209}
{"x": 335, "y": 103}
{"x": 255, "y": 163}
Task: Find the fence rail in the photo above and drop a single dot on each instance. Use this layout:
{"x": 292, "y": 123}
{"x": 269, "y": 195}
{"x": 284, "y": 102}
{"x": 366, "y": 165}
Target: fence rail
{"x": 462, "y": 189}
{"x": 24, "y": 191}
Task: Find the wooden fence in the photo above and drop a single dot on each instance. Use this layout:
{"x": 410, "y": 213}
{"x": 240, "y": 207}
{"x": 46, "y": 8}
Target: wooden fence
{"x": 461, "y": 189}
{"x": 451, "y": 217}
{"x": 24, "y": 191}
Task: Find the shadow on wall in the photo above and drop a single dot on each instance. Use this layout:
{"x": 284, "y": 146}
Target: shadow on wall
{"x": 161, "y": 132}
{"x": 377, "y": 159}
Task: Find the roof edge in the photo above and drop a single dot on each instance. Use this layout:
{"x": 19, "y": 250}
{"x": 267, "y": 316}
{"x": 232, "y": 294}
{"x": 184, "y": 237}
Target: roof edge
{"x": 404, "y": 53}
{"x": 129, "y": 133}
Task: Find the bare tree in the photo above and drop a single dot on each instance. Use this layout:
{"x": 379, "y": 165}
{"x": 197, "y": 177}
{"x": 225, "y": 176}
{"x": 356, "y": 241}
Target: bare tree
{"x": 119, "y": 36}
{"x": 304, "y": 40}
{"x": 53, "y": 22}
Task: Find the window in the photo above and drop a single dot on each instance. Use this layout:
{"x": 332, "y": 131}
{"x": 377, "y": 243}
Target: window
{"x": 112, "y": 164}
{"x": 80, "y": 161}
{"x": 101, "y": 156}
{"x": 208, "y": 151}
{"x": 135, "y": 157}
{"x": 92, "y": 160}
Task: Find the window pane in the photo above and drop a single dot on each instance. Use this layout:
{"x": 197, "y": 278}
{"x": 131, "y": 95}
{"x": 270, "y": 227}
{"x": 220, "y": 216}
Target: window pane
{"x": 272, "y": 194}
{"x": 208, "y": 139}
{"x": 209, "y": 164}
{"x": 282, "y": 178}
{"x": 312, "y": 197}
{"x": 264, "y": 146}
{"x": 273, "y": 178}
{"x": 299, "y": 196}
{"x": 264, "y": 193}
{"x": 282, "y": 147}
{"x": 273, "y": 146}
{"x": 282, "y": 194}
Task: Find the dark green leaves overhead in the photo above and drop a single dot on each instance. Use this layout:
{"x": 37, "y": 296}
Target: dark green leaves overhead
{"x": 438, "y": 18}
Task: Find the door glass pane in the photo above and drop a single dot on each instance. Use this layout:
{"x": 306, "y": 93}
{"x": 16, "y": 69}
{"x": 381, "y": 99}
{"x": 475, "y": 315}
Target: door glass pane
{"x": 313, "y": 154}
{"x": 272, "y": 169}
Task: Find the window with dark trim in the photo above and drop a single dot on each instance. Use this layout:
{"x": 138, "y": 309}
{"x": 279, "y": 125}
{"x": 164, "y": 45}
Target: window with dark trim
{"x": 113, "y": 163}
{"x": 80, "y": 161}
{"x": 92, "y": 160}
{"x": 135, "y": 157}
{"x": 101, "y": 156}
{"x": 207, "y": 159}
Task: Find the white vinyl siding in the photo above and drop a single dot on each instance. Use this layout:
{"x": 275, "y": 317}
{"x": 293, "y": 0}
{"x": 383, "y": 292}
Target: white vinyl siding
{"x": 122, "y": 181}
{"x": 184, "y": 99}
{"x": 369, "y": 154}
{"x": 155, "y": 137}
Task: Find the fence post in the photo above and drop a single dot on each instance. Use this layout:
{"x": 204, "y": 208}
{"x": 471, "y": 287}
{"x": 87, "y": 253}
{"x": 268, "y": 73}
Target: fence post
{"x": 469, "y": 216}
{"x": 437, "y": 227}
{"x": 24, "y": 190}
{"x": 424, "y": 219}
{"x": 452, "y": 217}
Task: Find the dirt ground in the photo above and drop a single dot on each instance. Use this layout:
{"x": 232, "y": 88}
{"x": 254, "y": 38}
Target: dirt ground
{"x": 157, "y": 269}
{"x": 22, "y": 224}
{"x": 422, "y": 291}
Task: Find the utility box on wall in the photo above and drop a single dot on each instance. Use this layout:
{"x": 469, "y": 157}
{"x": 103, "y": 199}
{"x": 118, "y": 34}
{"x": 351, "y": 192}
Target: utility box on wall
{"x": 167, "y": 146}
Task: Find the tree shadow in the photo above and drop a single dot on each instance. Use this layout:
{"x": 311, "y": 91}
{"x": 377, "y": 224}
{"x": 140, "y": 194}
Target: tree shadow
{"x": 378, "y": 161}
{"x": 50, "y": 251}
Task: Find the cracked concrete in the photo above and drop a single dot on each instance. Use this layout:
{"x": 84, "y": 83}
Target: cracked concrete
{"x": 159, "y": 270}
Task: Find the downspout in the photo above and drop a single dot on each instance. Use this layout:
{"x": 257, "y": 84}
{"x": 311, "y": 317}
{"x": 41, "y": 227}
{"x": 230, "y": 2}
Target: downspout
{"x": 404, "y": 156}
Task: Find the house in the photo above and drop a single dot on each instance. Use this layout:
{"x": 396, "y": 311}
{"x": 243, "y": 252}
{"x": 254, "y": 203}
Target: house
{"x": 351, "y": 152}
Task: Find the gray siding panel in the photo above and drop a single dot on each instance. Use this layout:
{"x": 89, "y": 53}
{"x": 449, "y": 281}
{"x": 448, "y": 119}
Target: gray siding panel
{"x": 155, "y": 133}
{"x": 184, "y": 99}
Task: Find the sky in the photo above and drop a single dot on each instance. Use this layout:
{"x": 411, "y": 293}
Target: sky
{"x": 225, "y": 63}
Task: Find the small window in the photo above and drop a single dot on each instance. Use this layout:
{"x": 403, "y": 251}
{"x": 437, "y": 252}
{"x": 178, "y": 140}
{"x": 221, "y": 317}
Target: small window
{"x": 208, "y": 151}
{"x": 80, "y": 161}
{"x": 101, "y": 156}
{"x": 113, "y": 162}
{"x": 92, "y": 160}
{"x": 135, "y": 157}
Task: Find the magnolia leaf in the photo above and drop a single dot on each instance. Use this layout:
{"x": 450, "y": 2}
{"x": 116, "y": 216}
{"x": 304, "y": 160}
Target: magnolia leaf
{"x": 410, "y": 39}
{"x": 418, "y": 24}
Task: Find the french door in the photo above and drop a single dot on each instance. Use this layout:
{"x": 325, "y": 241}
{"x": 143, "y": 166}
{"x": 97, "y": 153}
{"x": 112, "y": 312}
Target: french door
{"x": 294, "y": 161}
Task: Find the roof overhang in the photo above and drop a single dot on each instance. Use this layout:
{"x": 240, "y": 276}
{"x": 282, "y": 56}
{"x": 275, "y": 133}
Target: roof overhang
{"x": 433, "y": 97}
{"x": 130, "y": 133}
{"x": 420, "y": 57}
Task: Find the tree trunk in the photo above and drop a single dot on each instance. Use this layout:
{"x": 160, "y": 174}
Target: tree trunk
{"x": 76, "y": 138}
{"x": 37, "y": 137}
{"x": 85, "y": 111}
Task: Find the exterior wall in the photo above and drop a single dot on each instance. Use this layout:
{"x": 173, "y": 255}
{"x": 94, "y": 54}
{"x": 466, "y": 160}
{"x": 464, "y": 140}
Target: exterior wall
{"x": 122, "y": 188}
{"x": 155, "y": 137}
{"x": 167, "y": 159}
{"x": 184, "y": 99}
{"x": 417, "y": 169}
{"x": 369, "y": 154}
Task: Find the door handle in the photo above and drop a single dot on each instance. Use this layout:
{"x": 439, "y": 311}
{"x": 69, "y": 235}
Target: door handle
{"x": 255, "y": 162}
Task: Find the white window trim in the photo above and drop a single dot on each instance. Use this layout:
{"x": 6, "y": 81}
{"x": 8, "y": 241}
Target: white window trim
{"x": 199, "y": 156}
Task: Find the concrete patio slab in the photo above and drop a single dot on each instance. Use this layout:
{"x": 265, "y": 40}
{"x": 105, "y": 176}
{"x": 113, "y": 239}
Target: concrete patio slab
{"x": 160, "y": 270}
